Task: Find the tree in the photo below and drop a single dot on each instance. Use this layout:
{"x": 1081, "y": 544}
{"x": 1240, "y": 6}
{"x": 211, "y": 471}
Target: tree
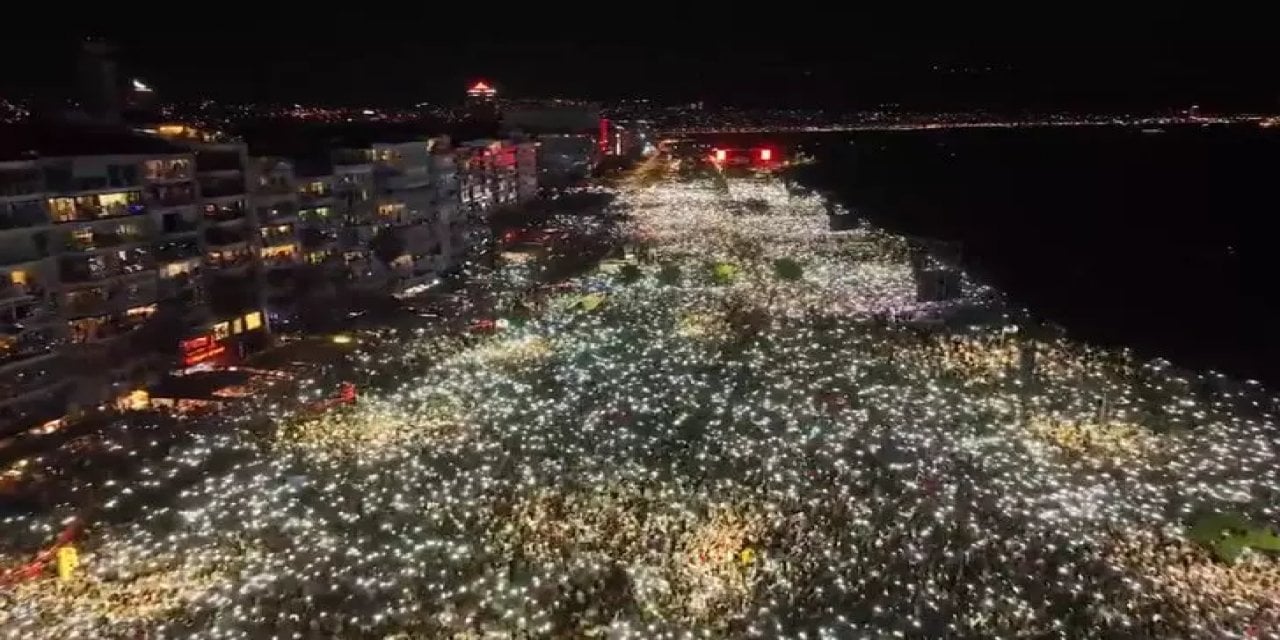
{"x": 1227, "y": 535}
{"x": 387, "y": 245}
{"x": 630, "y": 274}
{"x": 669, "y": 275}
{"x": 788, "y": 269}
{"x": 723, "y": 272}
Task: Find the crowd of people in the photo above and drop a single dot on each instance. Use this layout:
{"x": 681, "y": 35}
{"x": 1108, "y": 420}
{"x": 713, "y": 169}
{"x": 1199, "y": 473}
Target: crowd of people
{"x": 681, "y": 449}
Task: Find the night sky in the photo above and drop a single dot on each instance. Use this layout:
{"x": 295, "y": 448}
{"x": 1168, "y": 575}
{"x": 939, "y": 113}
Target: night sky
{"x": 336, "y": 54}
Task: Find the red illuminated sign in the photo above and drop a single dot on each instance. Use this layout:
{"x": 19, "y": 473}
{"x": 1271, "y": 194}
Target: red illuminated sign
{"x": 721, "y": 155}
{"x": 766, "y": 155}
{"x": 604, "y": 134}
{"x": 201, "y": 349}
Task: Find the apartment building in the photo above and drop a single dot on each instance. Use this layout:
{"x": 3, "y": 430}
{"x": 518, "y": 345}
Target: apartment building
{"x": 453, "y": 228}
{"x": 173, "y": 198}
{"x": 130, "y": 255}
{"x": 354, "y": 200}
{"x": 394, "y": 238}
{"x": 274, "y": 192}
{"x": 34, "y": 380}
{"x": 88, "y": 221}
{"x": 232, "y": 277}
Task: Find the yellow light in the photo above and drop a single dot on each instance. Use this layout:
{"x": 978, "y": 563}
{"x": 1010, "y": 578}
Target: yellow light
{"x": 68, "y": 560}
{"x": 342, "y": 338}
{"x": 252, "y": 320}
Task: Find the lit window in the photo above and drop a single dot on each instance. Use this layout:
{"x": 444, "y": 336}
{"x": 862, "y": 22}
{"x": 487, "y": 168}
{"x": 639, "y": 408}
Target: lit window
{"x": 237, "y": 326}
{"x": 221, "y": 330}
{"x": 174, "y": 269}
{"x": 140, "y": 313}
{"x": 252, "y": 320}
{"x": 279, "y": 251}
{"x": 113, "y": 199}
{"x": 18, "y": 277}
{"x": 63, "y": 209}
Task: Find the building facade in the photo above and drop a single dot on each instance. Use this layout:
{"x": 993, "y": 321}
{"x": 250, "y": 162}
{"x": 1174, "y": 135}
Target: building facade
{"x": 34, "y": 378}
{"x": 132, "y": 255}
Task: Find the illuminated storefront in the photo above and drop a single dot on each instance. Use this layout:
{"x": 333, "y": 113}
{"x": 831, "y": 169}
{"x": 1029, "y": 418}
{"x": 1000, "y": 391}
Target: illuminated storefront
{"x": 220, "y": 346}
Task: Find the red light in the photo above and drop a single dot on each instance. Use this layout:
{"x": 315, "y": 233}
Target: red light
{"x": 766, "y": 155}
{"x": 482, "y": 89}
{"x": 721, "y": 155}
{"x": 347, "y": 392}
{"x": 196, "y": 356}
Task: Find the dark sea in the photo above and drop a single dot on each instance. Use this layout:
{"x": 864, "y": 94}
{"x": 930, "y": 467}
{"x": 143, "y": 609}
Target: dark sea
{"x": 1163, "y": 241}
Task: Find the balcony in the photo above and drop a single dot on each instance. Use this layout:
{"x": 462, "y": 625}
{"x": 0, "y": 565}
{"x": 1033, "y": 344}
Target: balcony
{"x": 119, "y": 177}
{"x": 97, "y": 207}
{"x": 281, "y": 255}
{"x": 20, "y": 316}
{"x": 174, "y": 170}
{"x": 315, "y": 198}
{"x": 10, "y": 290}
{"x": 94, "y": 268}
{"x": 21, "y": 253}
{"x": 20, "y": 413}
{"x": 18, "y": 215}
{"x": 110, "y": 326}
{"x": 319, "y": 216}
{"x": 275, "y": 186}
{"x": 28, "y": 344}
{"x": 312, "y": 238}
{"x": 278, "y": 235}
{"x": 179, "y": 195}
{"x": 20, "y": 182}
{"x": 209, "y": 161}
{"x": 179, "y": 286}
{"x": 175, "y": 224}
{"x": 218, "y": 188}
{"x": 106, "y": 299}
{"x": 99, "y": 240}
{"x": 397, "y": 180}
{"x": 278, "y": 212}
{"x": 227, "y": 212}
{"x": 226, "y": 236}
{"x": 177, "y": 250}
{"x": 24, "y": 380}
{"x": 229, "y": 259}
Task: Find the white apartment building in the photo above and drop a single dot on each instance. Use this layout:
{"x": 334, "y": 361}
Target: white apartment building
{"x": 397, "y": 240}
{"x": 34, "y": 381}
{"x": 108, "y": 284}
{"x": 232, "y": 273}
{"x": 130, "y": 255}
{"x": 354, "y": 198}
{"x": 274, "y": 192}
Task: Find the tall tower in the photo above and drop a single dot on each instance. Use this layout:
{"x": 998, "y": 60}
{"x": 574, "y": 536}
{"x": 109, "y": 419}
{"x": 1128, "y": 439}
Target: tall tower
{"x": 482, "y": 101}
